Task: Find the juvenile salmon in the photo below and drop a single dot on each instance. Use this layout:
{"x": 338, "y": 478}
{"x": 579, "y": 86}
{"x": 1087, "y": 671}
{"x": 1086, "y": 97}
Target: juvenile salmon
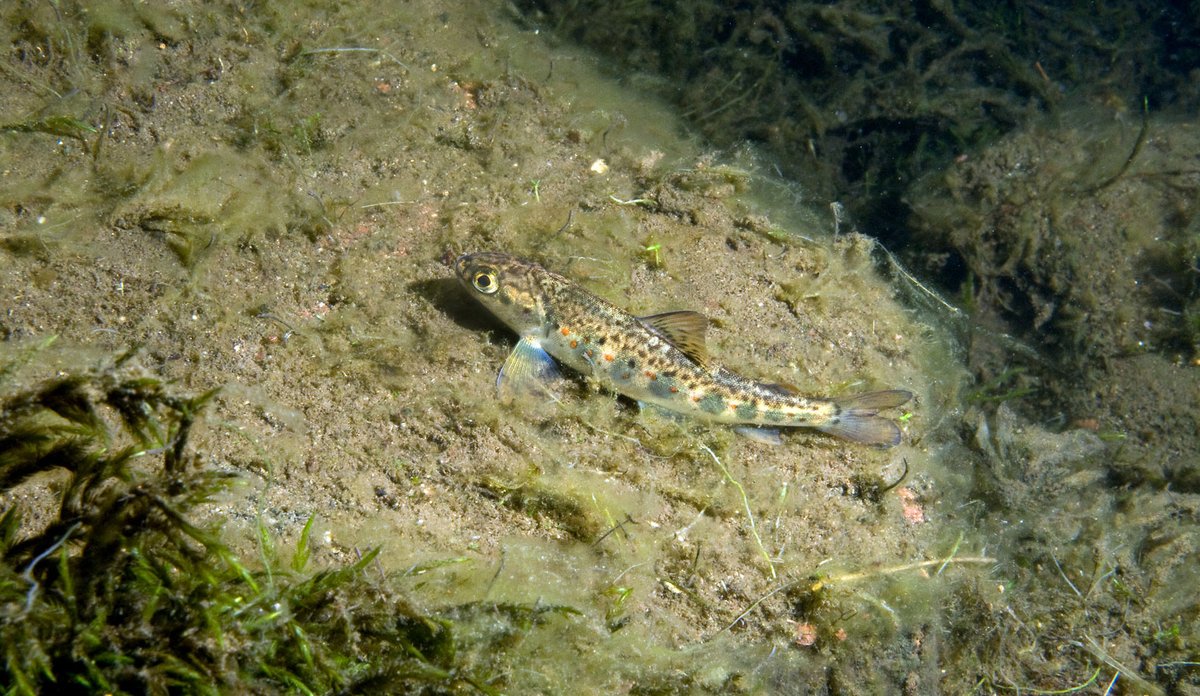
{"x": 659, "y": 359}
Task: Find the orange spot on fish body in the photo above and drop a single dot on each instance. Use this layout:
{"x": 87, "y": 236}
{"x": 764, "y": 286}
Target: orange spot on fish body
{"x": 566, "y": 331}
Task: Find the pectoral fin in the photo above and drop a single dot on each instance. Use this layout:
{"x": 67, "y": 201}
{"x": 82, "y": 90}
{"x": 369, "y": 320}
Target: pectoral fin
{"x": 529, "y": 370}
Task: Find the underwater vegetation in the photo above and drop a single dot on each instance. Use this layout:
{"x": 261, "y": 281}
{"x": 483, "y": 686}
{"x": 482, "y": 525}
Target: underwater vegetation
{"x": 1078, "y": 241}
{"x": 857, "y": 99}
{"x": 112, "y": 588}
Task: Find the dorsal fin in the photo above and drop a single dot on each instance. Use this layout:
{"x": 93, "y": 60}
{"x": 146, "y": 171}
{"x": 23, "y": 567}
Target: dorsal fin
{"x": 683, "y": 329}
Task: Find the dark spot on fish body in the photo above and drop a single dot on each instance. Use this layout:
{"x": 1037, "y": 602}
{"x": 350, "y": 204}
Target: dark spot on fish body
{"x": 746, "y": 411}
{"x": 774, "y": 415}
{"x": 712, "y": 403}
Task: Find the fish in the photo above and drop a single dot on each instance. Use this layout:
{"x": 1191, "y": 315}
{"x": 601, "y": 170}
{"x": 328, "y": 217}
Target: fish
{"x": 661, "y": 360}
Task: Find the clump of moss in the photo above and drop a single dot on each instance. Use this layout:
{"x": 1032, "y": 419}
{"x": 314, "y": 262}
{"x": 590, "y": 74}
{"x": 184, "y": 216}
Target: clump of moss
{"x": 116, "y": 590}
{"x": 1076, "y": 248}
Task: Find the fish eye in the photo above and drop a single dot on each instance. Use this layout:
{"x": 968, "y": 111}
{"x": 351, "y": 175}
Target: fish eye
{"x": 485, "y": 282}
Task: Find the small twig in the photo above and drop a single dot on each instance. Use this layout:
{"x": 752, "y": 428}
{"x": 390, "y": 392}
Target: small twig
{"x": 291, "y": 330}
{"x": 951, "y": 556}
{"x": 754, "y": 605}
{"x": 1098, "y": 652}
{"x": 618, "y": 526}
{"x": 895, "y": 264}
{"x": 904, "y": 475}
{"x": 891, "y": 570}
{"x": 1068, "y": 690}
{"x": 620, "y": 575}
{"x": 28, "y": 572}
{"x": 565, "y": 225}
{"x": 849, "y": 577}
{"x": 356, "y": 49}
{"x": 746, "y": 503}
{"x": 632, "y": 201}
{"x": 496, "y": 575}
{"x": 1137, "y": 147}
{"x": 1064, "y": 576}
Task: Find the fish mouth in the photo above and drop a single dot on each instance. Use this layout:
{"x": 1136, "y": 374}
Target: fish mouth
{"x": 461, "y": 264}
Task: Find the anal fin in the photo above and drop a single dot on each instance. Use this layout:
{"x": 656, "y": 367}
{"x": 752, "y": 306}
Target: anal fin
{"x": 661, "y": 412}
{"x": 764, "y": 436}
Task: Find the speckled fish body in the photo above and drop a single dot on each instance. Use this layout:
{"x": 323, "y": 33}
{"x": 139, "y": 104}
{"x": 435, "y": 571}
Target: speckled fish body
{"x": 659, "y": 359}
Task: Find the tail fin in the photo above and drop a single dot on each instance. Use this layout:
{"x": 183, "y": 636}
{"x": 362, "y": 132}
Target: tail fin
{"x": 856, "y": 417}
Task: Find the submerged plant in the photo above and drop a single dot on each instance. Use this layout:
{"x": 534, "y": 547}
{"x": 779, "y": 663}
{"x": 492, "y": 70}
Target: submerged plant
{"x": 116, "y": 591}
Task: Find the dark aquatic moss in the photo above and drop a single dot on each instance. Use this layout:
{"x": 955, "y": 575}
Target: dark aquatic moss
{"x": 858, "y": 99}
{"x": 120, "y": 593}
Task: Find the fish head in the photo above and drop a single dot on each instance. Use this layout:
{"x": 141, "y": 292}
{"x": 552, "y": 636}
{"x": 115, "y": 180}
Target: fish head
{"x": 511, "y": 288}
